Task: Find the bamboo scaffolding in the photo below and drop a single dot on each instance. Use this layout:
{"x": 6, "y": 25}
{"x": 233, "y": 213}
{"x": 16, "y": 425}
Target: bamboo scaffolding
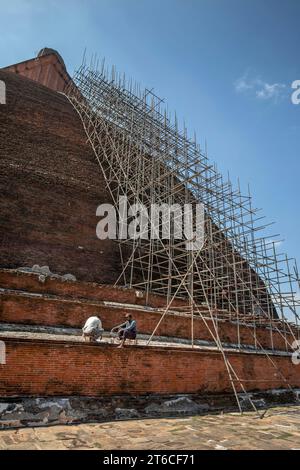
{"x": 239, "y": 276}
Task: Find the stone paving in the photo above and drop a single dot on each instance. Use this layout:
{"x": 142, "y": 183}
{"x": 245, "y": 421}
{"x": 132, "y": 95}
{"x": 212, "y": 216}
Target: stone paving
{"x": 279, "y": 429}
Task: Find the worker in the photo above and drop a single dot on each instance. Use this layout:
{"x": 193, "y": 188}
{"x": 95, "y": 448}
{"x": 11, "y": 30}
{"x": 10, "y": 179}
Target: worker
{"x": 92, "y": 329}
{"x": 126, "y": 330}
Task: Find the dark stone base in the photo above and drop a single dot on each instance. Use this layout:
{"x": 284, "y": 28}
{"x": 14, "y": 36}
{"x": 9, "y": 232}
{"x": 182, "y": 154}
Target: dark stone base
{"x": 28, "y": 411}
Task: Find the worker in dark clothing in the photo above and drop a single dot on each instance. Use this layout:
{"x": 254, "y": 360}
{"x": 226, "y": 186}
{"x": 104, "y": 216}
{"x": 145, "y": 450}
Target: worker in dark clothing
{"x": 127, "y": 330}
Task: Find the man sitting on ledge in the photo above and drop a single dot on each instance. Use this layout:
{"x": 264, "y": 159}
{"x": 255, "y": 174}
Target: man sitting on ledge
{"x": 92, "y": 329}
{"x": 127, "y": 330}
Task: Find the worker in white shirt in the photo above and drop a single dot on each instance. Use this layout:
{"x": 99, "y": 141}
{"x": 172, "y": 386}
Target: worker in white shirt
{"x": 92, "y": 329}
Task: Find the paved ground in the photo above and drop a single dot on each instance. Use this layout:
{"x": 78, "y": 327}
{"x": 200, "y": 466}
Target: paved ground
{"x": 280, "y": 429}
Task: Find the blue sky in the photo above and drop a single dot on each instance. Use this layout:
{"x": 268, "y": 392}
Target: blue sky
{"x": 226, "y": 66}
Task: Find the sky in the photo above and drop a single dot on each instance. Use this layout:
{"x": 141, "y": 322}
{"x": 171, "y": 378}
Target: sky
{"x": 225, "y": 66}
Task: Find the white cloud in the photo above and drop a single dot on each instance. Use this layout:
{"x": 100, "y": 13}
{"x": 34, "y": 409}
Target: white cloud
{"x": 259, "y": 89}
{"x": 242, "y": 85}
{"x": 268, "y": 91}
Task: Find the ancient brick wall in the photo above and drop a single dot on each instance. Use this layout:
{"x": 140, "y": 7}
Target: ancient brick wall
{"x": 71, "y": 303}
{"x": 61, "y": 368}
{"x": 29, "y": 282}
{"x": 48, "y": 70}
{"x": 66, "y": 313}
{"x": 50, "y": 186}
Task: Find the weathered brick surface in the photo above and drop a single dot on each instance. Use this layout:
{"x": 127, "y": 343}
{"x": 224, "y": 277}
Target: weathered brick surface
{"x": 48, "y": 70}
{"x": 50, "y": 186}
{"x": 65, "y": 312}
{"x": 29, "y": 282}
{"x": 75, "y": 301}
{"x": 48, "y": 368}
